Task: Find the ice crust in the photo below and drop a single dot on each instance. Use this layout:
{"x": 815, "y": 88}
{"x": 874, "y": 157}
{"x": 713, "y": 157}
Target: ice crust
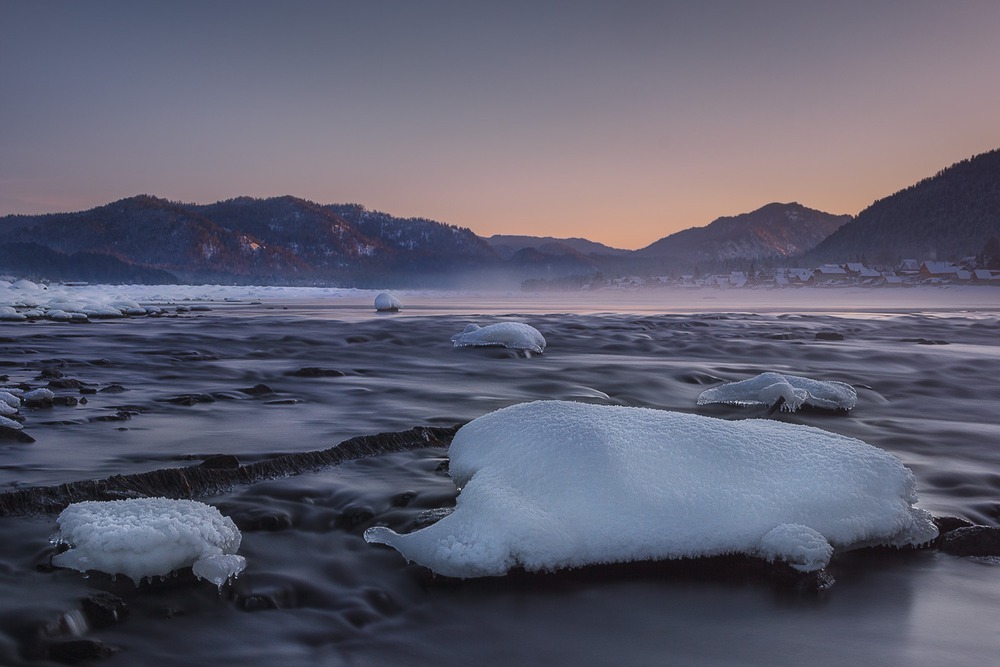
{"x": 766, "y": 388}
{"x": 554, "y": 484}
{"x": 512, "y": 335}
{"x": 149, "y": 537}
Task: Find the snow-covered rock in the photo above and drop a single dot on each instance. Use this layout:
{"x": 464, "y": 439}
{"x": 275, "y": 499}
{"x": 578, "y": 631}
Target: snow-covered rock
{"x": 149, "y": 537}
{"x": 10, "y": 314}
{"x": 387, "y": 303}
{"x": 767, "y": 388}
{"x": 513, "y": 335}
{"x": 554, "y": 484}
{"x": 7, "y": 422}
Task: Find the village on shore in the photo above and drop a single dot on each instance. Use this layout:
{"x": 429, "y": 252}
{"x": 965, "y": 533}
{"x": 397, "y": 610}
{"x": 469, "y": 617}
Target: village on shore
{"x": 908, "y": 273}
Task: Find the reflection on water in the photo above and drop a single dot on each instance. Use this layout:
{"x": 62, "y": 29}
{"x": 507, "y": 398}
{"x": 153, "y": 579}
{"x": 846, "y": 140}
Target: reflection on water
{"x": 315, "y": 593}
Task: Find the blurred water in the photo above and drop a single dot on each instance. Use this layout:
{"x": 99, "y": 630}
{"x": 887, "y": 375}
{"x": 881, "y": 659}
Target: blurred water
{"x": 315, "y": 593}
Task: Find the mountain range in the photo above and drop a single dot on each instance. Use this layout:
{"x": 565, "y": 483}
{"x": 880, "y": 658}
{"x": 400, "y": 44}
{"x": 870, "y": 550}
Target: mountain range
{"x": 287, "y": 240}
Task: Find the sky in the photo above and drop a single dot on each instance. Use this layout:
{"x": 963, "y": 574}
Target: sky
{"x": 621, "y": 122}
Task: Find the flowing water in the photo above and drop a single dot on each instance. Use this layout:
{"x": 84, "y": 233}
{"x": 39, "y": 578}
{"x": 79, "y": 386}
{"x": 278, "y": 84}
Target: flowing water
{"x": 314, "y": 593}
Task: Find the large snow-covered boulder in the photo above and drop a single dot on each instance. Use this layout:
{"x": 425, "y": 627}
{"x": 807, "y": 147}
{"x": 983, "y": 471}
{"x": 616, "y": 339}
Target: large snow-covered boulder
{"x": 149, "y": 537}
{"x": 767, "y": 388}
{"x": 554, "y": 484}
{"x": 512, "y": 335}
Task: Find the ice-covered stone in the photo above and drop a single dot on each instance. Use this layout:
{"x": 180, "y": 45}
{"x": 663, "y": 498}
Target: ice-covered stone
{"x": 148, "y": 537}
{"x": 767, "y": 388}
{"x": 554, "y": 484}
{"x": 512, "y": 335}
{"x": 387, "y": 303}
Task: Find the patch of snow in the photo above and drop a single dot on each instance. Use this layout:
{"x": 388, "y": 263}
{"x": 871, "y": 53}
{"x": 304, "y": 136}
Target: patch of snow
{"x": 555, "y": 484}
{"x": 148, "y": 537}
{"x": 512, "y": 335}
{"x": 766, "y": 388}
{"x": 10, "y": 423}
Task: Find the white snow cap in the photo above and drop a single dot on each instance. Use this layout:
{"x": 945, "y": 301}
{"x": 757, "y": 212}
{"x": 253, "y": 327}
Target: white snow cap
{"x": 513, "y": 335}
{"x": 555, "y": 484}
{"x": 766, "y": 388}
{"x": 149, "y": 537}
{"x": 386, "y": 302}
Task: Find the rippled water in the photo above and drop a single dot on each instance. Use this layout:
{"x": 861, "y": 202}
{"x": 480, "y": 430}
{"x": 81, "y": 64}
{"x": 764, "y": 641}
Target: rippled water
{"x": 314, "y": 593}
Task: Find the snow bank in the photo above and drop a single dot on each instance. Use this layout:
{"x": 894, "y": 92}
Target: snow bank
{"x": 149, "y": 537}
{"x": 767, "y": 388}
{"x": 513, "y": 335}
{"x": 387, "y": 303}
{"x": 555, "y": 484}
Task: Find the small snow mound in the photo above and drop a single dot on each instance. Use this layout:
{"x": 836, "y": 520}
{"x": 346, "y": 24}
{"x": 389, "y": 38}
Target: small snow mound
{"x": 555, "y": 484}
{"x": 387, "y": 303}
{"x": 766, "y": 388}
{"x": 512, "y": 335}
{"x": 147, "y": 537}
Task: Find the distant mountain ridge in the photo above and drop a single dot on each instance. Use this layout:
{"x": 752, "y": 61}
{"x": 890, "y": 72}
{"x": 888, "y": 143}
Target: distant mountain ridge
{"x": 288, "y": 240}
{"x": 771, "y": 232}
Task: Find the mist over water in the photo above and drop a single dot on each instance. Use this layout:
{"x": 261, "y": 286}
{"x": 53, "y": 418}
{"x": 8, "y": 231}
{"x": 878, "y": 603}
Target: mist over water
{"x": 925, "y": 364}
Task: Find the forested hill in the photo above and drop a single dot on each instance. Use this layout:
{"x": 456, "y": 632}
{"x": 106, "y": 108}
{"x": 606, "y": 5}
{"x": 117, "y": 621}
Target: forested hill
{"x": 946, "y": 217}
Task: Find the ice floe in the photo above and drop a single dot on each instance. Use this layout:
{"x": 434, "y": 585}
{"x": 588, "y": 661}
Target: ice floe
{"x": 512, "y": 335}
{"x": 554, "y": 484}
{"x": 768, "y": 388}
{"x": 149, "y": 537}
{"x": 387, "y": 303}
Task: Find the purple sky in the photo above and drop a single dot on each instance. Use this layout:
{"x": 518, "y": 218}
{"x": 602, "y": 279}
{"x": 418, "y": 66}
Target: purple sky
{"x": 618, "y": 121}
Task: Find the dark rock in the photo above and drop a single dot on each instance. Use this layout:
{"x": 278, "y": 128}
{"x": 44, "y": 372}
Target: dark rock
{"x": 119, "y": 416}
{"x": 41, "y": 402}
{"x": 73, "y": 651}
{"x": 64, "y": 383}
{"x": 257, "y": 390}
{"x": 15, "y": 434}
{"x": 50, "y": 373}
{"x": 403, "y": 499}
{"x": 257, "y": 602}
{"x": 924, "y": 341}
{"x": 104, "y": 609}
{"x": 88, "y": 390}
{"x": 829, "y": 335}
{"x": 352, "y": 517}
{"x": 113, "y": 389}
{"x": 192, "y": 481}
{"x": 315, "y": 372}
{"x": 261, "y": 520}
{"x": 782, "y": 336}
{"x": 946, "y": 524}
{"x": 972, "y": 541}
{"x": 220, "y": 461}
{"x": 66, "y": 401}
{"x": 191, "y": 399}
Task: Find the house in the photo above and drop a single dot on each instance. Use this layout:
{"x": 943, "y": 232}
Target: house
{"x": 942, "y": 270}
{"x": 861, "y": 271}
{"x": 828, "y": 274}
